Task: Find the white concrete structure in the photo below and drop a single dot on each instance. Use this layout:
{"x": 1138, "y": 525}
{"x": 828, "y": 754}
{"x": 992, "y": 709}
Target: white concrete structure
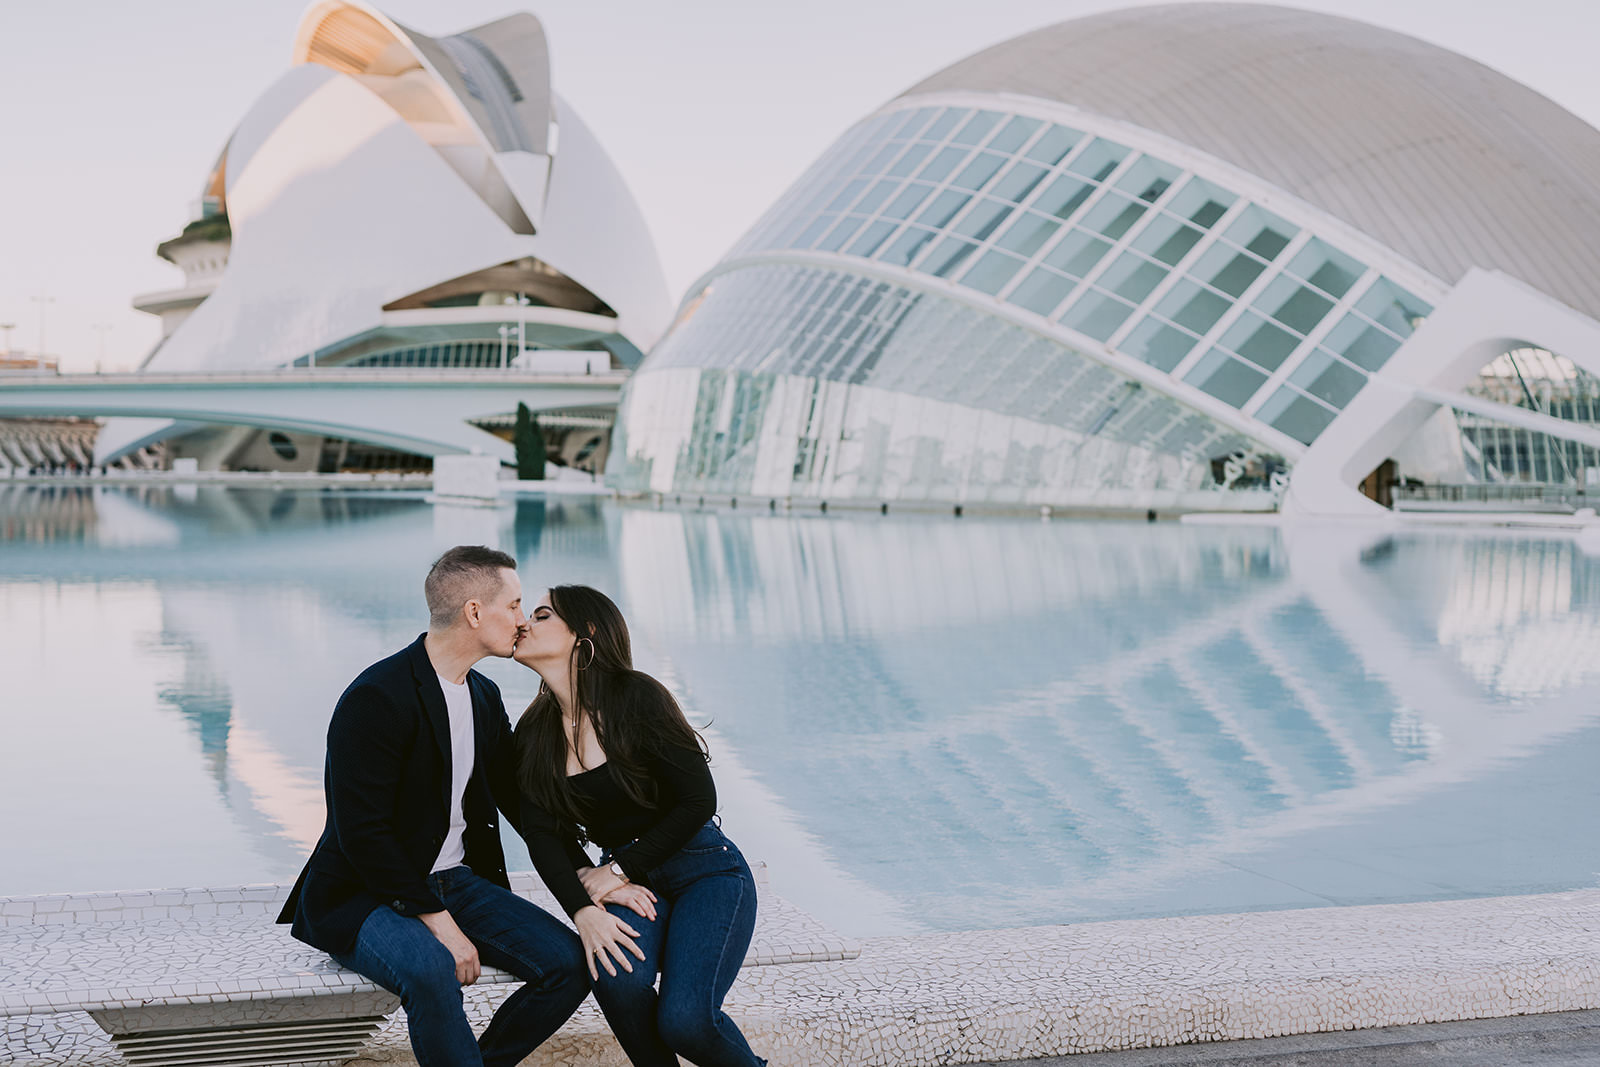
{"x": 1152, "y": 258}
{"x": 428, "y": 412}
{"x": 401, "y": 200}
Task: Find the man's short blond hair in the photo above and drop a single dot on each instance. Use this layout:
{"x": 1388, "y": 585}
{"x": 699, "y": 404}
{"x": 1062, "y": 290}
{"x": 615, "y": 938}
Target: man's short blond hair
{"x": 465, "y": 572}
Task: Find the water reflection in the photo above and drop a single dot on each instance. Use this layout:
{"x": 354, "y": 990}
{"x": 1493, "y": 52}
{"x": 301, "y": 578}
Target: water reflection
{"x": 918, "y": 723}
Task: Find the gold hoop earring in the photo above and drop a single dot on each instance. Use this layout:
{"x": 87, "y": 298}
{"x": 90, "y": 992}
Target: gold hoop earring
{"x": 590, "y": 663}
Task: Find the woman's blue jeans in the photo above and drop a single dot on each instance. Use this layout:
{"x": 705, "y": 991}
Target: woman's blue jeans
{"x": 404, "y": 957}
{"x": 705, "y": 916}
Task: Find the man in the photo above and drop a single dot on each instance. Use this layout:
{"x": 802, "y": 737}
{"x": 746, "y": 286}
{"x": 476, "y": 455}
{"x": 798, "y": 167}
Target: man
{"x": 407, "y": 885}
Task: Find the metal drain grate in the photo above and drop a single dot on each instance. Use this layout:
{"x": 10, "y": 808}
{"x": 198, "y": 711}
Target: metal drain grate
{"x": 301, "y": 1044}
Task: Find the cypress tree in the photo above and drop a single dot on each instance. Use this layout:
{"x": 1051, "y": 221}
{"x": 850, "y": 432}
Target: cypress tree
{"x": 529, "y": 443}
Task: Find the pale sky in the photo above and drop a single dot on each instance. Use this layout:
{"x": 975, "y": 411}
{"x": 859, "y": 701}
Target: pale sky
{"x": 111, "y": 114}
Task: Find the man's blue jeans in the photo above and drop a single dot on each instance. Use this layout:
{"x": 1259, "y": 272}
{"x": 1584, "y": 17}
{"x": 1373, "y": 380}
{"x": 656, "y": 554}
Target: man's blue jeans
{"x": 705, "y": 916}
{"x": 404, "y": 957}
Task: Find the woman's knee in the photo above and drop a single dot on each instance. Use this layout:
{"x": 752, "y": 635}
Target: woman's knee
{"x": 633, "y": 990}
{"x": 686, "y": 1028}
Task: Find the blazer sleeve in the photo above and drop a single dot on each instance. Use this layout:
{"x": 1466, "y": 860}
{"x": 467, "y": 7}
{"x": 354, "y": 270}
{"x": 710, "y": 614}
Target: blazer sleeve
{"x": 367, "y": 747}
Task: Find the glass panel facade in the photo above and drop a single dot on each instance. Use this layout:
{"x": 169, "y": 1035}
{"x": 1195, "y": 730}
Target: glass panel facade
{"x": 797, "y": 380}
{"x": 1100, "y": 237}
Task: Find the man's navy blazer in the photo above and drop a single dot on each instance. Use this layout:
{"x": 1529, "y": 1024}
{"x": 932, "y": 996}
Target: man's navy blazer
{"x": 387, "y": 786}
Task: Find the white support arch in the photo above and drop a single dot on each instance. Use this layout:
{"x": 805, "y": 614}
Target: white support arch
{"x": 1486, "y": 315}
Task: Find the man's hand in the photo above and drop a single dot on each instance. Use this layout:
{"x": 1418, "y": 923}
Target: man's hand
{"x": 604, "y": 938}
{"x": 442, "y": 926}
{"x": 599, "y": 882}
{"x": 634, "y": 897}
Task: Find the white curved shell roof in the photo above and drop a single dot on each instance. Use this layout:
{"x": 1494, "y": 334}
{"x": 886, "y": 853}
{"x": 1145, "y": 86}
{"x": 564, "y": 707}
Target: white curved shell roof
{"x": 1436, "y": 156}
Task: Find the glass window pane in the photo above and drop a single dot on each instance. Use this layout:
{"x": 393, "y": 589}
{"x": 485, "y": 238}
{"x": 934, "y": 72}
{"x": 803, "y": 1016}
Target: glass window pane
{"x": 818, "y": 227}
{"x": 1147, "y": 179}
{"x": 880, "y": 159}
{"x": 1201, "y": 202}
{"x": 1097, "y": 314}
{"x": 1224, "y": 268}
{"x": 1225, "y": 378}
{"x": 1261, "y": 342}
{"x": 871, "y": 238}
{"x": 907, "y": 201}
{"x": 976, "y": 173}
{"x": 875, "y": 196}
{"x": 1159, "y": 344}
{"x": 847, "y": 195}
{"x": 1393, "y": 308}
{"x": 941, "y": 126}
{"x": 918, "y": 121}
{"x": 1132, "y": 277}
{"x": 991, "y": 272}
{"x": 1077, "y": 253}
{"x": 1019, "y": 181}
{"x": 1099, "y": 159}
{"x": 1064, "y": 196}
{"x": 1296, "y": 306}
{"x": 1041, "y": 291}
{"x": 1166, "y": 239}
{"x": 1114, "y": 215}
{"x": 1326, "y": 268}
{"x": 1328, "y": 378}
{"x": 940, "y": 166}
{"x": 1261, "y": 232}
{"x": 1300, "y": 418}
{"x": 905, "y": 247}
{"x": 976, "y": 127}
{"x": 841, "y": 233}
{"x": 946, "y": 256}
{"x": 1192, "y": 307}
{"x": 1028, "y": 233}
{"x": 910, "y": 160}
{"x": 1362, "y": 343}
{"x": 944, "y": 207}
{"x": 1014, "y": 134}
{"x": 1054, "y": 145}
{"x": 982, "y": 220}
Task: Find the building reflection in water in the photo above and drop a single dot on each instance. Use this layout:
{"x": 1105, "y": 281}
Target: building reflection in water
{"x": 928, "y": 723}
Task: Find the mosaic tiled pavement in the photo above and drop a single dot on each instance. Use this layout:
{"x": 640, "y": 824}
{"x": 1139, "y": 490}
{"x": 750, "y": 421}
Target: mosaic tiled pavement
{"x": 1046, "y": 991}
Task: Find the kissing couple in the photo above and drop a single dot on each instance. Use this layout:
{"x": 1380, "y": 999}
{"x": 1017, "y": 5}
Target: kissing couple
{"x": 407, "y": 885}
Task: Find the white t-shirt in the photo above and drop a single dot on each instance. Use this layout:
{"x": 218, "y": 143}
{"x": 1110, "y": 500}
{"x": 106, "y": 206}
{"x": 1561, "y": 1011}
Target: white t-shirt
{"x": 458, "y": 701}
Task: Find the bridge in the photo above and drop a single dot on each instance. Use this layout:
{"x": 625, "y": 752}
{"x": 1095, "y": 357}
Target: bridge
{"x": 425, "y": 411}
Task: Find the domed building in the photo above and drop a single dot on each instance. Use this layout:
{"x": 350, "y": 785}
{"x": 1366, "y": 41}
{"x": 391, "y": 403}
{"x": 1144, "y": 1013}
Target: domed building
{"x": 399, "y": 200}
{"x": 1190, "y": 257}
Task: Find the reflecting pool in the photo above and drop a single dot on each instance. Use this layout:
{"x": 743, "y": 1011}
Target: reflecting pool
{"x": 919, "y": 723}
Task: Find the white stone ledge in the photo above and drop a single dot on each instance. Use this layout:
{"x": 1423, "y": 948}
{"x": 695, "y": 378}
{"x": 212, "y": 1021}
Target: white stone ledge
{"x": 1046, "y": 991}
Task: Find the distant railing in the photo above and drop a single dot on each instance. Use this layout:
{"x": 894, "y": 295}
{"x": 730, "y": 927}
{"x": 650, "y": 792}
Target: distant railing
{"x": 1526, "y": 494}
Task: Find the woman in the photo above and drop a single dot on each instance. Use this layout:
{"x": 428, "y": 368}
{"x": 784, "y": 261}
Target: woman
{"x": 605, "y": 753}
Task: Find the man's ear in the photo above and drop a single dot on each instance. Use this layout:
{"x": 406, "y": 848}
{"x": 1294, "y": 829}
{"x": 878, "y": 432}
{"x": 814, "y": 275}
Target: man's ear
{"x": 473, "y": 612}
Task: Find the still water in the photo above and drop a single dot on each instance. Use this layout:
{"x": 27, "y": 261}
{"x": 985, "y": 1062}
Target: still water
{"x": 919, "y": 723}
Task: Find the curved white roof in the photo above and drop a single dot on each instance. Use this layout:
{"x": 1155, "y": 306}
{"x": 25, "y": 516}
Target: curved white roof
{"x": 1438, "y": 157}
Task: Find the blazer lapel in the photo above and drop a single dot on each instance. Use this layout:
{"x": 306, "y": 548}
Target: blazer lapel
{"x": 434, "y": 711}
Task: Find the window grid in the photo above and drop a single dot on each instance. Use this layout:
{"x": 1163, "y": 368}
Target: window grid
{"x": 953, "y": 193}
{"x": 976, "y": 196}
{"x": 1065, "y": 226}
{"x": 1244, "y": 301}
{"x": 1342, "y": 306}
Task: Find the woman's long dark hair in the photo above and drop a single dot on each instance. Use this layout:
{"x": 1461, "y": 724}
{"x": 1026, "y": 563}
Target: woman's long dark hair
{"x": 632, "y": 714}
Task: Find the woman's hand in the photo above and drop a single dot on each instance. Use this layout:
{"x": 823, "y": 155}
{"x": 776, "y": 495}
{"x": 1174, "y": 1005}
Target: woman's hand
{"x": 604, "y": 938}
{"x": 599, "y": 882}
{"x": 634, "y": 897}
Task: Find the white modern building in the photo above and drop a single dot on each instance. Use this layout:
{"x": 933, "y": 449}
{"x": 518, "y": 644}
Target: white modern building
{"x": 1209, "y": 256}
{"x": 399, "y": 200}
